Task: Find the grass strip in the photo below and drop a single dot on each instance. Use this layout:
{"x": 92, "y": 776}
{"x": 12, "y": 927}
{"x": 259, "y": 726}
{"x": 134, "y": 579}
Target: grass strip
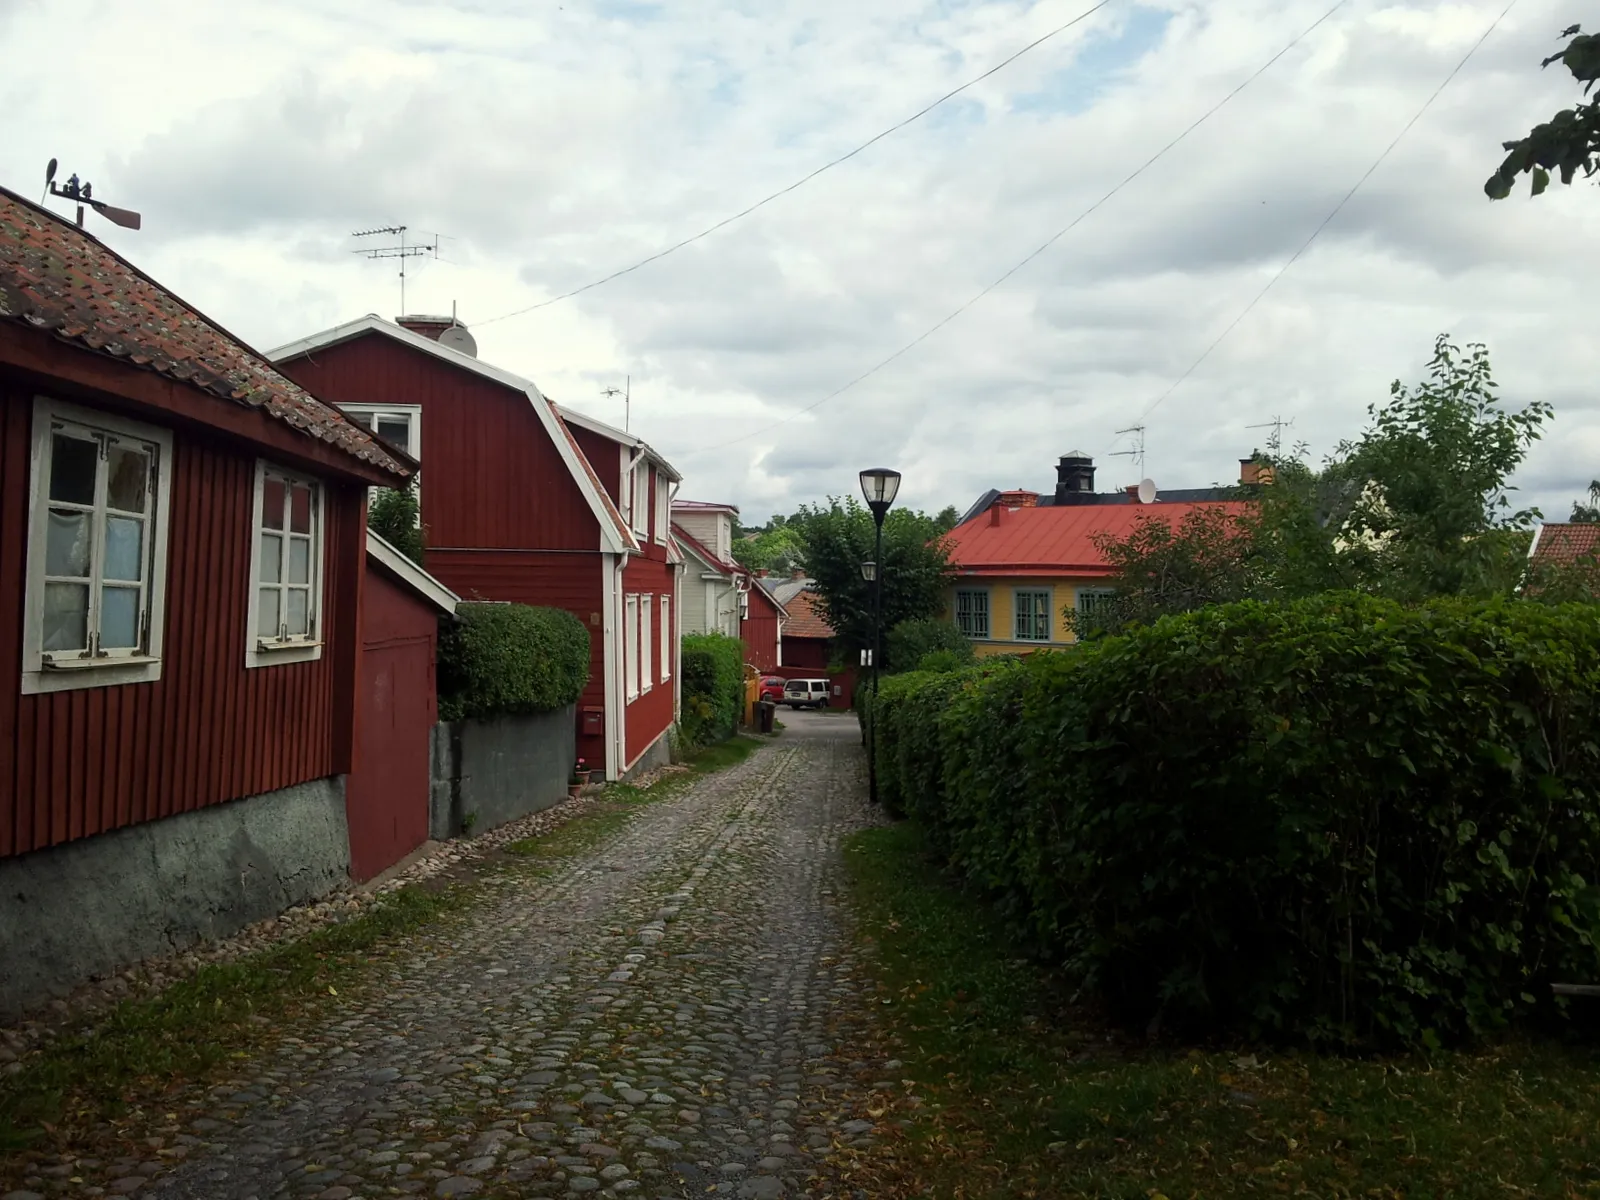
{"x": 1019, "y": 1094}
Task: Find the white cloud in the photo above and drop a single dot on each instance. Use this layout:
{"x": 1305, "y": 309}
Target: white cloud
{"x": 555, "y": 145}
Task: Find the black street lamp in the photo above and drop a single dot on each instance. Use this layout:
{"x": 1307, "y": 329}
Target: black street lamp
{"x": 878, "y": 485}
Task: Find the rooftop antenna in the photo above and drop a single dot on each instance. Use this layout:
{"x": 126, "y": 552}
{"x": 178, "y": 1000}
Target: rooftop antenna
{"x": 401, "y": 251}
{"x": 1137, "y": 453}
{"x": 1277, "y": 425}
{"x": 626, "y": 393}
{"x": 82, "y": 192}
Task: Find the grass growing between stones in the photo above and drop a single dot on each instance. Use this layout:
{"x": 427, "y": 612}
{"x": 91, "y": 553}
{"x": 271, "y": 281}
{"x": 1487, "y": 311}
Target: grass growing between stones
{"x": 1023, "y": 1096}
{"x": 129, "y": 1056}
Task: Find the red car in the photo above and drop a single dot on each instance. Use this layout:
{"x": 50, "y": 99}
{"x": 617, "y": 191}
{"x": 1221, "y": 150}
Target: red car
{"x": 771, "y": 689}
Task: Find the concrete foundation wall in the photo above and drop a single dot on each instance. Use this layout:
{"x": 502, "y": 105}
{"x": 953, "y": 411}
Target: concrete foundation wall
{"x": 84, "y": 909}
{"x": 496, "y": 771}
{"x": 659, "y": 755}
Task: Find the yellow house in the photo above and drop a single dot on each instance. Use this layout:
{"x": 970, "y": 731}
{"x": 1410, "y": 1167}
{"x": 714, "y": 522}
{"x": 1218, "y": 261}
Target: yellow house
{"x": 1024, "y": 561}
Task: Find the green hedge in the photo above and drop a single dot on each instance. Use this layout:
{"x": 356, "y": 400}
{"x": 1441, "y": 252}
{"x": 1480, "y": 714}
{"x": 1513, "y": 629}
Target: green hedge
{"x": 1337, "y": 819}
{"x": 509, "y": 659}
{"x": 713, "y": 688}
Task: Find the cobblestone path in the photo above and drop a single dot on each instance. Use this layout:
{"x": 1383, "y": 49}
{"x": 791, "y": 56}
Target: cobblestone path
{"x": 662, "y": 1016}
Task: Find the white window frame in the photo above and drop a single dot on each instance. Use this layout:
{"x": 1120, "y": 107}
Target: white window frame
{"x": 1016, "y": 614}
{"x": 639, "y": 496}
{"x": 43, "y": 673}
{"x": 663, "y": 507}
{"x": 988, "y": 614}
{"x": 630, "y": 647}
{"x": 272, "y": 652}
{"x": 647, "y": 633}
{"x": 666, "y": 638}
{"x": 413, "y": 416}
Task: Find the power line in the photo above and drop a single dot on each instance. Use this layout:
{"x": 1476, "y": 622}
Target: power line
{"x": 1050, "y": 241}
{"x": 1337, "y": 208}
{"x": 805, "y": 179}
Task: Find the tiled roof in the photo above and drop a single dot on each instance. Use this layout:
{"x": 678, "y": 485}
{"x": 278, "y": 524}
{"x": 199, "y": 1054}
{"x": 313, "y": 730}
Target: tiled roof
{"x": 1560, "y": 541}
{"x": 805, "y": 618}
{"x": 1056, "y": 541}
{"x": 56, "y": 277}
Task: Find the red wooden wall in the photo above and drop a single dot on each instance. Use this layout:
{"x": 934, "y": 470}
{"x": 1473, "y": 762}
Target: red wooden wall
{"x": 650, "y": 715}
{"x": 811, "y": 653}
{"x": 491, "y": 475}
{"x": 759, "y": 631}
{"x": 82, "y": 762}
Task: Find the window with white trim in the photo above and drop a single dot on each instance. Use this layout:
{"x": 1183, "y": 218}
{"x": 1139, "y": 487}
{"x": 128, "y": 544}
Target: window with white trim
{"x": 97, "y": 550}
{"x": 663, "y": 508}
{"x": 972, "y": 612}
{"x": 667, "y": 645}
{"x": 398, "y": 424}
{"x": 647, "y": 634}
{"x": 286, "y": 569}
{"x": 1032, "y": 614}
{"x": 639, "y": 497}
{"x": 630, "y": 647}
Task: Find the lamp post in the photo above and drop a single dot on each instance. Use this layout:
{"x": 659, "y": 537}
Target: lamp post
{"x": 878, "y": 485}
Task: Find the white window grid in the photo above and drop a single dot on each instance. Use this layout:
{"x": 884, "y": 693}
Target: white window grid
{"x": 646, "y": 635}
{"x": 972, "y": 612}
{"x": 663, "y": 508}
{"x": 286, "y": 568}
{"x": 1032, "y": 616}
{"x": 667, "y": 644}
{"x": 639, "y": 497}
{"x": 97, "y": 550}
{"x": 630, "y": 647}
{"x": 398, "y": 424}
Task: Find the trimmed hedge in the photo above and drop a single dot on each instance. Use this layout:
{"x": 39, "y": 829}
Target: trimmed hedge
{"x": 509, "y": 659}
{"x": 1337, "y": 819}
{"x": 713, "y": 688}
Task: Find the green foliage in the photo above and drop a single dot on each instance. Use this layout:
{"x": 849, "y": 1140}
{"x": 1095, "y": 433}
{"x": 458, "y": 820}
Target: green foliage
{"x": 776, "y": 550}
{"x": 947, "y": 519}
{"x": 509, "y": 659}
{"x": 713, "y": 688}
{"x": 945, "y": 660}
{"x": 838, "y": 538}
{"x": 909, "y": 642}
{"x": 1570, "y": 140}
{"x": 1587, "y": 513}
{"x": 1338, "y": 819}
{"x": 396, "y": 517}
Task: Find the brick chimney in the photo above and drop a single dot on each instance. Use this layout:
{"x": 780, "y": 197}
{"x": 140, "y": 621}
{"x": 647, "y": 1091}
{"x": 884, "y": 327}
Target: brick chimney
{"x": 1020, "y": 498}
{"x": 428, "y": 327}
{"x": 1253, "y": 472}
{"x": 1133, "y": 492}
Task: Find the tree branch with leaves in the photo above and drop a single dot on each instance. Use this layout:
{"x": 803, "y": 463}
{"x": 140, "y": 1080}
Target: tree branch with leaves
{"x": 1567, "y": 143}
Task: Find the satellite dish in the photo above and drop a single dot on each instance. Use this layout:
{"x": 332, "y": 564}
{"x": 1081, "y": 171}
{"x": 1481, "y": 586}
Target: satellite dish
{"x": 457, "y": 338}
{"x": 1147, "y": 491}
{"x": 50, "y": 173}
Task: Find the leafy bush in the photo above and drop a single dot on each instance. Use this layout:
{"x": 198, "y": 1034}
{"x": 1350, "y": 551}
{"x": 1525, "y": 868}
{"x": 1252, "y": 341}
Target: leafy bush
{"x": 396, "y": 516}
{"x": 1338, "y": 819}
{"x": 713, "y": 688}
{"x": 944, "y": 660}
{"x": 509, "y": 659}
{"x": 910, "y": 642}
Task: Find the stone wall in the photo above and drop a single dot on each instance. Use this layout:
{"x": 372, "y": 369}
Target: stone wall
{"x": 496, "y": 771}
{"x": 82, "y": 910}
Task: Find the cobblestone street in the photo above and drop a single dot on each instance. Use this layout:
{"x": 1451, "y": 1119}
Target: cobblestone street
{"x": 665, "y": 1015}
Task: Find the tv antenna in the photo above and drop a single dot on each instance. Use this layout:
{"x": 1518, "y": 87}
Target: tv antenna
{"x": 402, "y": 251}
{"x": 1277, "y": 425}
{"x": 1137, "y": 453}
{"x": 83, "y": 193}
{"x": 626, "y": 392}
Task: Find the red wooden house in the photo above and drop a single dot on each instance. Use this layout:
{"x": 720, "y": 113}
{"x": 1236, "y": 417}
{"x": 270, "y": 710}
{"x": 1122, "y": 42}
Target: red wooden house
{"x": 525, "y": 502}
{"x": 182, "y": 544}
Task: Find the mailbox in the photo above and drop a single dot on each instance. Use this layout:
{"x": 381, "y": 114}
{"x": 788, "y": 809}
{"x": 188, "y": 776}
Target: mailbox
{"x": 594, "y": 721}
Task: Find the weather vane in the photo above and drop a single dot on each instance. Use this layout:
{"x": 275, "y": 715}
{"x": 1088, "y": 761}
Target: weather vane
{"x": 82, "y": 193}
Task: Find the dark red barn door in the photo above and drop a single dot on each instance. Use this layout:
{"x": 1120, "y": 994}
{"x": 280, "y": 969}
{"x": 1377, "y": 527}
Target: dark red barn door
{"x": 386, "y": 798}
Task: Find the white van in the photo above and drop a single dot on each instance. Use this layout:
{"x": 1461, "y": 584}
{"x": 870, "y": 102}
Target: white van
{"x": 806, "y": 693}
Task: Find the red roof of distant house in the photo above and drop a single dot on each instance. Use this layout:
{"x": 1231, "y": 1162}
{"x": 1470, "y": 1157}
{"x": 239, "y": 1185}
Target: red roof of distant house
{"x": 1561, "y": 541}
{"x": 1056, "y": 541}
{"x": 56, "y": 277}
{"x": 806, "y": 619}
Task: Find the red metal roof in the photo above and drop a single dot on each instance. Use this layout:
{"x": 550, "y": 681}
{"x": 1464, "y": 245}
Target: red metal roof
{"x": 705, "y": 506}
{"x": 56, "y": 277}
{"x": 1562, "y": 541}
{"x": 1056, "y": 541}
{"x": 805, "y": 618}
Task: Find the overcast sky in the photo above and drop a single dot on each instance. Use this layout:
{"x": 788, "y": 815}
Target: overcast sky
{"x": 552, "y": 143}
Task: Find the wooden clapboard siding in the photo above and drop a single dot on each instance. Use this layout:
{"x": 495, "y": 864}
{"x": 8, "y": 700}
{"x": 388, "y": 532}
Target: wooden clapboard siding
{"x": 82, "y": 762}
